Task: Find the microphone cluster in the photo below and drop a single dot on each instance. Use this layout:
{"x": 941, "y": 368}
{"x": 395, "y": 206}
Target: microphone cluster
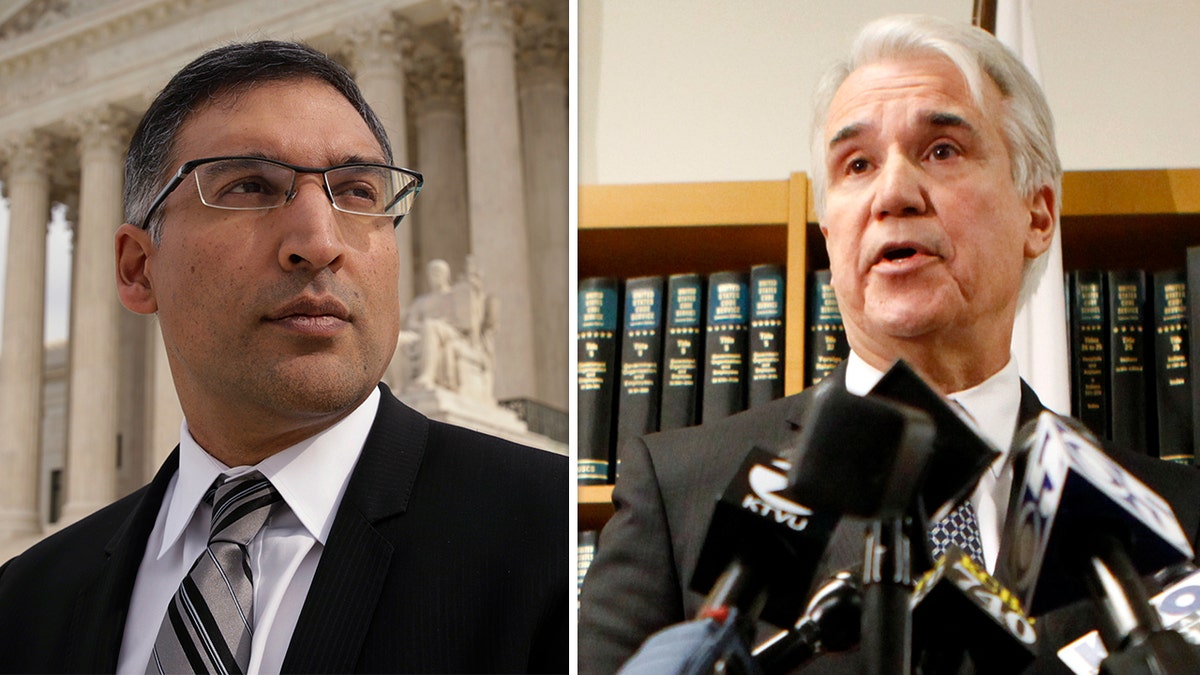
{"x": 1079, "y": 527}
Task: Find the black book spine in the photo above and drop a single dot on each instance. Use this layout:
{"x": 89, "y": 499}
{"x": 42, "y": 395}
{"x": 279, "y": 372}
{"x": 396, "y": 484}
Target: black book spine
{"x": 1193, "y": 311}
{"x": 767, "y": 306}
{"x": 1172, "y": 377}
{"x": 1089, "y": 350}
{"x": 585, "y": 552}
{"x": 641, "y": 359}
{"x": 1129, "y": 411}
{"x": 683, "y": 351}
{"x": 596, "y": 347}
{"x": 725, "y": 348}
{"x": 825, "y": 346}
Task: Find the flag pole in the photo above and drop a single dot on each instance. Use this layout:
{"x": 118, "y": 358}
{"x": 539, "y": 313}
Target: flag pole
{"x": 984, "y": 15}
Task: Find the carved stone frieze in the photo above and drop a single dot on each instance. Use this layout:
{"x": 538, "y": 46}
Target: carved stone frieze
{"x": 41, "y": 14}
{"x": 53, "y": 46}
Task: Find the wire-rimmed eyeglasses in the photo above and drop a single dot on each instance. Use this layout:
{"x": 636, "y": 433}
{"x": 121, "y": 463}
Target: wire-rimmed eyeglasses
{"x": 255, "y": 183}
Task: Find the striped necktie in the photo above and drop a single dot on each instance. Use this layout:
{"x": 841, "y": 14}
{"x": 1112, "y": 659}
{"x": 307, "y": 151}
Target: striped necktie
{"x": 210, "y": 620}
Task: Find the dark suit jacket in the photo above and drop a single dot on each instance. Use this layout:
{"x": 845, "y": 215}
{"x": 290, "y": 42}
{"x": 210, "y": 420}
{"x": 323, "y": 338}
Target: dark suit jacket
{"x": 449, "y": 553}
{"x": 638, "y": 582}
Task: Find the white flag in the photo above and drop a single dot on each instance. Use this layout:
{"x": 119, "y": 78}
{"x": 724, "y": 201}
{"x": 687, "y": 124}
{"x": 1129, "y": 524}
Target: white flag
{"x": 1039, "y": 339}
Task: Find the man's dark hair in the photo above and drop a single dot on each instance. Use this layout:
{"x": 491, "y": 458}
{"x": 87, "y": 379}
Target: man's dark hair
{"x": 222, "y": 71}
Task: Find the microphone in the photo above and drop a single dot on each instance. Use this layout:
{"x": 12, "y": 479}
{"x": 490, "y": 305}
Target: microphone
{"x": 959, "y": 609}
{"x": 1084, "y": 527}
{"x": 831, "y": 623}
{"x": 860, "y": 455}
{"x": 1178, "y": 607}
{"x": 867, "y": 456}
{"x": 960, "y": 453}
{"x": 1072, "y": 496}
{"x": 762, "y": 548}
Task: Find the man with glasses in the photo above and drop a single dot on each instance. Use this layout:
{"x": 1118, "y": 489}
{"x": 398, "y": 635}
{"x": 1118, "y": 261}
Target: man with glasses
{"x": 308, "y": 521}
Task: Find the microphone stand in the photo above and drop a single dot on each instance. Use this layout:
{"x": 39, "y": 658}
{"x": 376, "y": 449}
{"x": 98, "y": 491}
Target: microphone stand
{"x": 1131, "y": 629}
{"x": 887, "y": 586}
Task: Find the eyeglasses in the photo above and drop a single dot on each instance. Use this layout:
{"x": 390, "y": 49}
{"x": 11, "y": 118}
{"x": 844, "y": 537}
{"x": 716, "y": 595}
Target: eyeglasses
{"x": 254, "y": 184}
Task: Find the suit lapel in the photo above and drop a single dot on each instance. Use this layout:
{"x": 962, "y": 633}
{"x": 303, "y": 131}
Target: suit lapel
{"x": 354, "y": 566}
{"x": 103, "y": 605}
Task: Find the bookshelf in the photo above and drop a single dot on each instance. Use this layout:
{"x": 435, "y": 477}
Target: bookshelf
{"x": 1110, "y": 219}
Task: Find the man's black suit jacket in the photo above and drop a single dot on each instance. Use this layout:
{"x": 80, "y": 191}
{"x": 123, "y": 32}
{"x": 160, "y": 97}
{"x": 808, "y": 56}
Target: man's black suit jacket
{"x": 638, "y": 582}
{"x": 449, "y": 553}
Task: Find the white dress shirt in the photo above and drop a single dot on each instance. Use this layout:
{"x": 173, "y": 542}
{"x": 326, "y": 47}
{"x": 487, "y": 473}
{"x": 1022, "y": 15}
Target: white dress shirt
{"x": 993, "y": 407}
{"x": 311, "y": 476}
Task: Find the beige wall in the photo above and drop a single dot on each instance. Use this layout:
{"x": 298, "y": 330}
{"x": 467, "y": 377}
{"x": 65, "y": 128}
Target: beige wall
{"x": 692, "y": 90}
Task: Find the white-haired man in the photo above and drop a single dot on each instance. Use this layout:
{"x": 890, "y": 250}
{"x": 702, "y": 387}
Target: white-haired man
{"x": 938, "y": 188}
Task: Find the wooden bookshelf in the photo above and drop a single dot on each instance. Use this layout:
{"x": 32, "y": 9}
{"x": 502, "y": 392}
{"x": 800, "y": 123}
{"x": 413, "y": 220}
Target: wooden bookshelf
{"x": 635, "y": 230}
{"x": 1130, "y": 219}
{"x": 1110, "y": 219}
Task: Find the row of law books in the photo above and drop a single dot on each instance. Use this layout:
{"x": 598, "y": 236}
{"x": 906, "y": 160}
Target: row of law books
{"x": 657, "y": 353}
{"x": 1133, "y": 359}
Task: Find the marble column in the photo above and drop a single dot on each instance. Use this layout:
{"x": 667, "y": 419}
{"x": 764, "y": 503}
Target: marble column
{"x": 442, "y": 231}
{"x": 496, "y": 184}
{"x": 376, "y": 44}
{"x": 91, "y": 466}
{"x": 543, "y": 89}
{"x": 27, "y": 183}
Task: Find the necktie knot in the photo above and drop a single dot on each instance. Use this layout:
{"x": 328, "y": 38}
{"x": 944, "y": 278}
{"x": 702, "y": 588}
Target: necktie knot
{"x": 240, "y": 508}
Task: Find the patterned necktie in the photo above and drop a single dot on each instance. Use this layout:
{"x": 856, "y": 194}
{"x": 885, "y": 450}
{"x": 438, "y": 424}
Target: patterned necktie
{"x": 958, "y": 527}
{"x": 209, "y": 622}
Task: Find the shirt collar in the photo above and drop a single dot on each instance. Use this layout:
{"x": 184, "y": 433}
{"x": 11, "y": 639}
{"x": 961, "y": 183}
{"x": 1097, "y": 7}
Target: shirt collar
{"x": 311, "y": 475}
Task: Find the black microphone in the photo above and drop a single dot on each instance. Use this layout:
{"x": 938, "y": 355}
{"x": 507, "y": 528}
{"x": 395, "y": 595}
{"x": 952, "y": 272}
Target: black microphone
{"x": 762, "y": 548}
{"x": 1073, "y": 497}
{"x": 860, "y": 455}
{"x": 867, "y": 456}
{"x": 832, "y": 622}
{"x": 960, "y": 454}
{"x": 960, "y": 610}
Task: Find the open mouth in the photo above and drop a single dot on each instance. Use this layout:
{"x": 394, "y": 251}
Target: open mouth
{"x": 899, "y": 253}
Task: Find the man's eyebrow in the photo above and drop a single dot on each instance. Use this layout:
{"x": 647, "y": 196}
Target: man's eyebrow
{"x": 363, "y": 159}
{"x": 947, "y": 119}
{"x": 933, "y": 119}
{"x": 846, "y": 133}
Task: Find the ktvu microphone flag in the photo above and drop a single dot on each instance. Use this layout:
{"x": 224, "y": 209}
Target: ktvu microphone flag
{"x": 1039, "y": 339}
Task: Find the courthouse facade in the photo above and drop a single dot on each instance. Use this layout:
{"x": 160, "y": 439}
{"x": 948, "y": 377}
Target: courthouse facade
{"x": 473, "y": 94}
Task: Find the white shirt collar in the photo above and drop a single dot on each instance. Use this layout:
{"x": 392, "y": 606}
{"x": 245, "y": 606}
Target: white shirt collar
{"x": 311, "y": 475}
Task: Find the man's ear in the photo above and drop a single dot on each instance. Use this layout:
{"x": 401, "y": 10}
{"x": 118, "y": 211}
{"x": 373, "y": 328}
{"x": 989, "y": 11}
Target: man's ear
{"x": 134, "y": 284}
{"x": 1042, "y": 217}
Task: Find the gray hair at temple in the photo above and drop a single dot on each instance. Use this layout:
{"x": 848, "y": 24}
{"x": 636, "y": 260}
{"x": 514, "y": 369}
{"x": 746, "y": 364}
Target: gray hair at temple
{"x": 224, "y": 70}
{"x": 1027, "y": 123}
